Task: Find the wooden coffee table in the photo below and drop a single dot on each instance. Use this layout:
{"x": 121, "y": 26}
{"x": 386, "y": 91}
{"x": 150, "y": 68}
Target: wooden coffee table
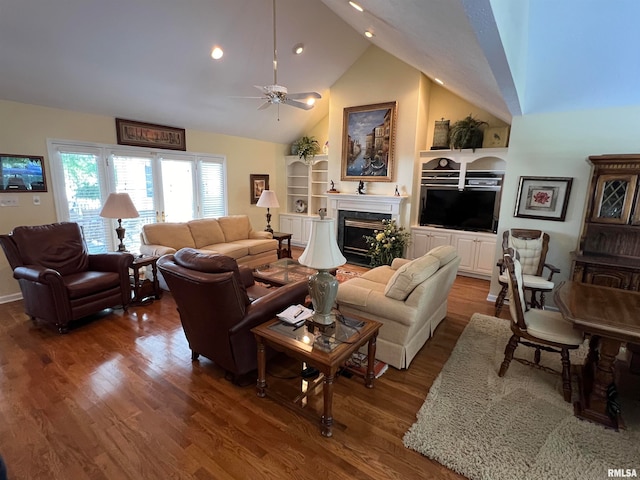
{"x": 327, "y": 350}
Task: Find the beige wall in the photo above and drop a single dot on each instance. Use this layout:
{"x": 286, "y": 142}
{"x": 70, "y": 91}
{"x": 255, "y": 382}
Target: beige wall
{"x": 26, "y": 129}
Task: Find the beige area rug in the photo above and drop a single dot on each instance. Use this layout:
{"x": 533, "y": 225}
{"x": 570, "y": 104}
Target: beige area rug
{"x": 516, "y": 427}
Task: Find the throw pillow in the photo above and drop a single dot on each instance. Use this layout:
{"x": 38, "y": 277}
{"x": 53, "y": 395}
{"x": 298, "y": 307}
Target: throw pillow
{"x": 444, "y": 253}
{"x": 410, "y": 275}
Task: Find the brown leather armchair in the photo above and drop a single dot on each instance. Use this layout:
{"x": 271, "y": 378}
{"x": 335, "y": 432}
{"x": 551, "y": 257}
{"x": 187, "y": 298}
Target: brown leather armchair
{"x": 219, "y": 304}
{"x": 60, "y": 281}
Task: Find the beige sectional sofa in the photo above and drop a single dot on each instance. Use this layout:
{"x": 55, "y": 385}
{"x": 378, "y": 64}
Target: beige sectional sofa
{"x": 232, "y": 236}
{"x": 409, "y": 298}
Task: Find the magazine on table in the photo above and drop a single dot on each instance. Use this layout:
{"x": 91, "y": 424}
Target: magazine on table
{"x": 295, "y": 314}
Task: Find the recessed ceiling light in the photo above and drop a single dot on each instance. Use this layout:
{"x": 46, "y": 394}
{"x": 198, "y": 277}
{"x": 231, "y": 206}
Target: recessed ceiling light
{"x": 437, "y": 80}
{"x": 216, "y": 53}
{"x": 298, "y": 48}
{"x": 356, "y": 6}
{"x": 368, "y": 33}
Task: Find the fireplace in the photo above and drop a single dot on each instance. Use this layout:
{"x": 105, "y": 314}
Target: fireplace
{"x": 352, "y": 226}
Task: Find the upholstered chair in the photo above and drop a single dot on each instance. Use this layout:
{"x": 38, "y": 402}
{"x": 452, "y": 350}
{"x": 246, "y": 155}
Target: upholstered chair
{"x": 531, "y": 250}
{"x": 219, "y": 303}
{"x": 59, "y": 279}
{"x": 541, "y": 329}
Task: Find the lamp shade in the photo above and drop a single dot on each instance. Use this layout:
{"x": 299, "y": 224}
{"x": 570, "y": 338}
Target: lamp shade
{"x": 268, "y": 199}
{"x": 119, "y": 205}
{"x": 322, "y": 251}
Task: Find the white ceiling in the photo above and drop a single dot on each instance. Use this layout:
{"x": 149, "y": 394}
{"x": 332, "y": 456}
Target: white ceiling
{"x": 148, "y": 60}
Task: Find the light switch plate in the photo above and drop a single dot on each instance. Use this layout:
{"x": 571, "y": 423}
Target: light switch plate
{"x": 8, "y": 201}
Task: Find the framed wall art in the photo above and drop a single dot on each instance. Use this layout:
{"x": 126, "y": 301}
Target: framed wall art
{"x": 139, "y": 134}
{"x": 22, "y": 173}
{"x": 495, "y": 137}
{"x": 258, "y": 183}
{"x": 543, "y": 198}
{"x": 368, "y": 142}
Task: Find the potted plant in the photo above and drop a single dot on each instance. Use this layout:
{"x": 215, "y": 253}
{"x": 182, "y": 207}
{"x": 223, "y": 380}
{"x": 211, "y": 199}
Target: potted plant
{"x": 466, "y": 133}
{"x": 306, "y": 148}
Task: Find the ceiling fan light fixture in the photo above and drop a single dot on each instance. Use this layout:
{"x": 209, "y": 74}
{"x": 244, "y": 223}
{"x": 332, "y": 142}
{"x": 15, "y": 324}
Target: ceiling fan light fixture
{"x": 298, "y": 48}
{"x": 217, "y": 53}
{"x": 369, "y": 34}
{"x": 311, "y": 101}
{"x": 356, "y": 6}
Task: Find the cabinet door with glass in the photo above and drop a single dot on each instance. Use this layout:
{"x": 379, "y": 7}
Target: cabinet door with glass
{"x": 614, "y": 195}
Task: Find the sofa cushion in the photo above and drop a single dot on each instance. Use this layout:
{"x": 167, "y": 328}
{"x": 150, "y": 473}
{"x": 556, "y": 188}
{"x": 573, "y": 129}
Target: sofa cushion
{"x": 444, "y": 253}
{"x": 232, "y": 250}
{"x": 410, "y": 275}
{"x": 256, "y": 246}
{"x": 381, "y": 274}
{"x": 235, "y": 227}
{"x": 211, "y": 263}
{"x": 174, "y": 235}
{"x": 205, "y": 231}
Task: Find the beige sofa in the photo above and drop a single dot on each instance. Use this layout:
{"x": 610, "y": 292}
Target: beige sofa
{"x": 409, "y": 298}
{"x": 231, "y": 236}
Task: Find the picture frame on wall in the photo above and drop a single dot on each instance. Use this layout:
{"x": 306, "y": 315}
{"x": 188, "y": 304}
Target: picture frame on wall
{"x": 368, "y": 142}
{"x": 258, "y": 183}
{"x": 543, "y": 198}
{"x": 495, "y": 137}
{"x": 140, "y": 134}
{"x": 22, "y": 173}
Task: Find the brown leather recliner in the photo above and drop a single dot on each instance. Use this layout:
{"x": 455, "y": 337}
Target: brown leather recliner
{"x": 219, "y": 304}
{"x": 60, "y": 281}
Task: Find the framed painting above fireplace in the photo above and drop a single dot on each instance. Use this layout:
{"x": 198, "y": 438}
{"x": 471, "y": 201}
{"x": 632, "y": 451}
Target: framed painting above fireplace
{"x": 368, "y": 142}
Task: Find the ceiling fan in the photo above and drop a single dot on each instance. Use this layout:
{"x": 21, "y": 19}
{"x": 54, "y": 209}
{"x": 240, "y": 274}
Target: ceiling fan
{"x": 278, "y": 94}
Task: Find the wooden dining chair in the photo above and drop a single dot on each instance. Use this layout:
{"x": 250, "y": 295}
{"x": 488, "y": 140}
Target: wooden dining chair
{"x": 531, "y": 248}
{"x": 540, "y": 329}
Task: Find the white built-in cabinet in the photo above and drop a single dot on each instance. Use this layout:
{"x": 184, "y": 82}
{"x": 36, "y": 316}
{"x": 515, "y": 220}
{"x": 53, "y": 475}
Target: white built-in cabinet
{"x": 468, "y": 168}
{"x": 307, "y": 185}
{"x": 476, "y": 249}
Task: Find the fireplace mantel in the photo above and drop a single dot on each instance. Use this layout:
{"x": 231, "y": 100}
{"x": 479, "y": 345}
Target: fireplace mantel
{"x": 390, "y": 204}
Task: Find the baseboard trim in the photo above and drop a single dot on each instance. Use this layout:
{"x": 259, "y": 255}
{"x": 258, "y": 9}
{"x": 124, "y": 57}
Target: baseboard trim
{"x": 11, "y": 298}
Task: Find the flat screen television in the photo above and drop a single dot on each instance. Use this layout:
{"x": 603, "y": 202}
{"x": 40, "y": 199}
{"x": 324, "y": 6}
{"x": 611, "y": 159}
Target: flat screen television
{"x": 473, "y": 210}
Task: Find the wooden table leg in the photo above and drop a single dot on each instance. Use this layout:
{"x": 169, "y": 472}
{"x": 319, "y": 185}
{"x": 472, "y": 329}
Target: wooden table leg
{"x": 261, "y": 383}
{"x": 371, "y": 360}
{"x": 594, "y": 398}
{"x": 327, "y": 417}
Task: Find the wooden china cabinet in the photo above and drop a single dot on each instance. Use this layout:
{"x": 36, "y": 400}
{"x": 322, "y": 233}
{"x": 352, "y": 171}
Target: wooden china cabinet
{"x": 609, "y": 252}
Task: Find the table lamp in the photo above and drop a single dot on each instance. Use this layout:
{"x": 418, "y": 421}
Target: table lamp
{"x": 323, "y": 254}
{"x": 268, "y": 199}
{"x": 119, "y": 205}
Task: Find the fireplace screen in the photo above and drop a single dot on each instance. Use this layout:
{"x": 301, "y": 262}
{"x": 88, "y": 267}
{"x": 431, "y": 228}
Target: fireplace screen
{"x": 352, "y": 227}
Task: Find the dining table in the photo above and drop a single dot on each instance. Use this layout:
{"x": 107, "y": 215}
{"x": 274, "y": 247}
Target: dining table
{"x": 611, "y": 317}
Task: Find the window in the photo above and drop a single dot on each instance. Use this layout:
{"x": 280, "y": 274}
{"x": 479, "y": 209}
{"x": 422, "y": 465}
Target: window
{"x": 163, "y": 187}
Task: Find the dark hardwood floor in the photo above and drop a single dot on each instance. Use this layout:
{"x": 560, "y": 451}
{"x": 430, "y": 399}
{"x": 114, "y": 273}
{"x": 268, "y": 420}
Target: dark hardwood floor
{"x": 119, "y": 398}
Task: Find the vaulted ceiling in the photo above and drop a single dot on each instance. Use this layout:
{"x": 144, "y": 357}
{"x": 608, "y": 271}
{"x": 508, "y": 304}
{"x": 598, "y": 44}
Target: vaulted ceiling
{"x": 149, "y": 60}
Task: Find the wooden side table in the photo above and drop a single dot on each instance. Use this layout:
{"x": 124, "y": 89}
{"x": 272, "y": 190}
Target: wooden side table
{"x": 284, "y": 251}
{"x": 146, "y": 289}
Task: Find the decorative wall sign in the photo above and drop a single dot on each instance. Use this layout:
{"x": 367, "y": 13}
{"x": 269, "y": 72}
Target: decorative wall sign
{"x": 258, "y": 183}
{"x": 139, "y": 134}
{"x": 368, "y": 142}
{"x": 22, "y": 173}
{"x": 441, "y": 135}
{"x": 543, "y": 198}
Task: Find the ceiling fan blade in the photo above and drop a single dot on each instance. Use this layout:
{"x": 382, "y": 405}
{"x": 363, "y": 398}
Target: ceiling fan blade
{"x": 264, "y": 105}
{"x": 295, "y": 103}
{"x": 303, "y": 95}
